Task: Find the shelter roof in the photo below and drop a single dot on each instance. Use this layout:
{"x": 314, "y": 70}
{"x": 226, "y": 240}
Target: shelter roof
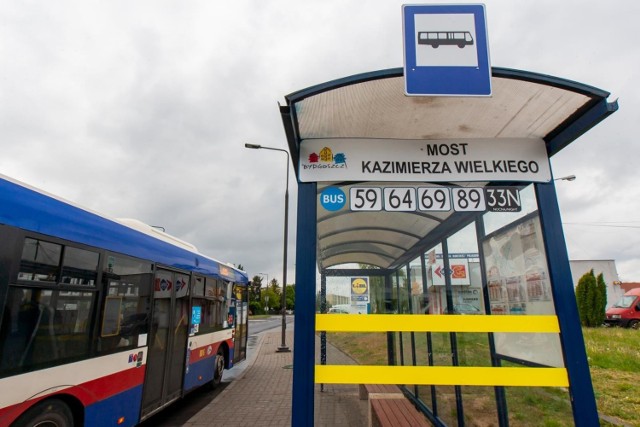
{"x": 374, "y": 106}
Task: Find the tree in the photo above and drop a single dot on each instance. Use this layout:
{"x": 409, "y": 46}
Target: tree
{"x": 591, "y": 298}
{"x": 601, "y": 301}
{"x": 274, "y": 285}
{"x": 290, "y": 297}
{"x": 377, "y": 292}
{"x": 255, "y": 293}
{"x": 255, "y": 287}
{"x": 271, "y": 300}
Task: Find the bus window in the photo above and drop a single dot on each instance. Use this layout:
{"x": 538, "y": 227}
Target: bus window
{"x": 198, "y": 286}
{"x": 43, "y": 327}
{"x": 79, "y": 267}
{"x": 125, "y": 317}
{"x": 40, "y": 260}
{"x": 213, "y": 307}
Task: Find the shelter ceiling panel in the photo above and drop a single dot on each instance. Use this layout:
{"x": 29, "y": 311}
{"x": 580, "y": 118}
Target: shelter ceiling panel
{"x": 355, "y": 258}
{"x": 362, "y": 247}
{"x": 411, "y": 223}
{"x": 379, "y": 109}
{"x": 388, "y": 237}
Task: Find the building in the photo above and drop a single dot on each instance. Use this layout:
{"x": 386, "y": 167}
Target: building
{"x": 609, "y": 272}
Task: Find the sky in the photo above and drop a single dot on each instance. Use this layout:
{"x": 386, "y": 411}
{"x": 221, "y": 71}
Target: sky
{"x": 142, "y": 109}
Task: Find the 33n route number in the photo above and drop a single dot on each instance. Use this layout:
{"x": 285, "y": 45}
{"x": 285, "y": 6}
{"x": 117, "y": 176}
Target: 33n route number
{"x": 443, "y": 199}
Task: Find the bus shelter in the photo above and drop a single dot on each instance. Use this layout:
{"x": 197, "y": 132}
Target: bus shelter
{"x": 440, "y": 214}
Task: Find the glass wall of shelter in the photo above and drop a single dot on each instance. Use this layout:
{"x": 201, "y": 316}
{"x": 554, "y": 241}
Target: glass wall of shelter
{"x": 472, "y": 263}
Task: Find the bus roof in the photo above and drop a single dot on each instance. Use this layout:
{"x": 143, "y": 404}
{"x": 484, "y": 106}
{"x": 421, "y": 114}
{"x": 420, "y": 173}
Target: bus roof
{"x": 35, "y": 210}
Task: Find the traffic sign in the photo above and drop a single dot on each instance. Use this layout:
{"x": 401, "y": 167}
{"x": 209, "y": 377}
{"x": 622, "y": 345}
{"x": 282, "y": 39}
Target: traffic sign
{"x": 446, "y": 52}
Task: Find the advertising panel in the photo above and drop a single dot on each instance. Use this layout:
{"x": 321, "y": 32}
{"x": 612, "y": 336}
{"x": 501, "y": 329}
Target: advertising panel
{"x": 518, "y": 283}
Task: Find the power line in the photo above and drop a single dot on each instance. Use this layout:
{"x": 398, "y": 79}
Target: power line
{"x": 604, "y": 224}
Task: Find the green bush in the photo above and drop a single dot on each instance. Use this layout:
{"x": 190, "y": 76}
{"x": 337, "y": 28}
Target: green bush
{"x": 591, "y": 298}
{"x": 256, "y": 308}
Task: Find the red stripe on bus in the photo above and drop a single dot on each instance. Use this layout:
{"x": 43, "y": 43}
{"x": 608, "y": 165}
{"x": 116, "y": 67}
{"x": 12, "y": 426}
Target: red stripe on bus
{"x": 88, "y": 392}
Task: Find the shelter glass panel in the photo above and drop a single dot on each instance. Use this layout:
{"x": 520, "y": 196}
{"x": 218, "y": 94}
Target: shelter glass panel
{"x": 419, "y": 297}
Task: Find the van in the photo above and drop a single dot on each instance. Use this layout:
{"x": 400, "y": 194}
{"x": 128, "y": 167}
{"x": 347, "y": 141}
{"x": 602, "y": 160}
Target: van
{"x": 625, "y": 312}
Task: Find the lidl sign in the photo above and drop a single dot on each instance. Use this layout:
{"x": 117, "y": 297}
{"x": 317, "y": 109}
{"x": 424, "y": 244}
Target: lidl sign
{"x": 359, "y": 289}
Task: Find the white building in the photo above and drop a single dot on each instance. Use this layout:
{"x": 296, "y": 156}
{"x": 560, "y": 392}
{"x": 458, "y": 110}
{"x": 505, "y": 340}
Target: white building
{"x": 609, "y": 272}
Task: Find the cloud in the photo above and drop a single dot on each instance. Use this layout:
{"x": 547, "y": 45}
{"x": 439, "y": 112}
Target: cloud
{"x": 142, "y": 109}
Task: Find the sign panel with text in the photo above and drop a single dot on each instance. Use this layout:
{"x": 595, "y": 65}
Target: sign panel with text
{"x": 452, "y": 160}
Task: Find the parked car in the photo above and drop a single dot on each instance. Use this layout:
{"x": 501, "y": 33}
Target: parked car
{"x": 626, "y": 311}
{"x": 337, "y": 310}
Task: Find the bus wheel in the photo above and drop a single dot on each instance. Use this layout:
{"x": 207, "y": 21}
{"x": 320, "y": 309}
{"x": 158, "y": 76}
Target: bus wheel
{"x": 634, "y": 324}
{"x": 219, "y": 368}
{"x": 49, "y": 413}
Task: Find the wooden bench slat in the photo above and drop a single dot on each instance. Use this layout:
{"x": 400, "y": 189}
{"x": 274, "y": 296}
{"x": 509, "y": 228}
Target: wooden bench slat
{"x": 396, "y": 413}
{"x": 377, "y": 391}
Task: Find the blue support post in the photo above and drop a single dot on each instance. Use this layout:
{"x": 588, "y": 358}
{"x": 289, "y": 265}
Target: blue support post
{"x": 585, "y": 412}
{"x": 305, "y": 318}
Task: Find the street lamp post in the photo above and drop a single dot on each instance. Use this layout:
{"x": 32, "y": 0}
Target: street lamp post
{"x": 283, "y": 346}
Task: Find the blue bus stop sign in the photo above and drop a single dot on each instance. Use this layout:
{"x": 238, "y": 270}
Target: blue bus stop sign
{"x": 446, "y": 52}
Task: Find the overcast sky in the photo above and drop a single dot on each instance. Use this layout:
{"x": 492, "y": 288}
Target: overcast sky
{"x": 141, "y": 109}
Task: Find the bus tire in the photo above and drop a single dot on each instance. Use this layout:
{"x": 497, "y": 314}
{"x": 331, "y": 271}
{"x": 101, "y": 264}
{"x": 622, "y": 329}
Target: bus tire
{"x": 218, "y": 368}
{"x": 50, "y": 413}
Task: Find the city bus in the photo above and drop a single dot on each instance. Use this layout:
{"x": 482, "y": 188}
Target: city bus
{"x": 105, "y": 322}
{"x": 445, "y": 38}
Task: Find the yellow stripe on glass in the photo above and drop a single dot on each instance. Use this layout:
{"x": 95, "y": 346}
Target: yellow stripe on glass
{"x": 435, "y": 323}
{"x": 441, "y": 375}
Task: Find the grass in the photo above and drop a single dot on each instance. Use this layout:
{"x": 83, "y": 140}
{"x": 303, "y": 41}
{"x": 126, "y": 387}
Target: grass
{"x": 614, "y": 360}
{"x": 259, "y": 316}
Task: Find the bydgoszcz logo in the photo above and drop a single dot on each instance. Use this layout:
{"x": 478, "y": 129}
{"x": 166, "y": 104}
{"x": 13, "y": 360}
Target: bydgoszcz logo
{"x": 325, "y": 159}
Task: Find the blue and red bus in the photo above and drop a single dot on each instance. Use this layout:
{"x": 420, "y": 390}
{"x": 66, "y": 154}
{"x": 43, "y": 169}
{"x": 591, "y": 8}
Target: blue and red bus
{"x": 105, "y": 322}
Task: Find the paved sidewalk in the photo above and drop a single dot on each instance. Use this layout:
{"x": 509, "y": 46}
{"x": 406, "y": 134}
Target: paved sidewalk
{"x": 260, "y": 394}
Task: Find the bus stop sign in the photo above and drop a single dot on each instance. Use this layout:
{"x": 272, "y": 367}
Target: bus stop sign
{"x": 446, "y": 52}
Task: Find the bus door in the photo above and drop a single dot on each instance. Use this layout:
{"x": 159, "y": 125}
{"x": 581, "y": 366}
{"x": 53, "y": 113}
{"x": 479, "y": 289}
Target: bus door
{"x": 241, "y": 323}
{"x": 167, "y": 341}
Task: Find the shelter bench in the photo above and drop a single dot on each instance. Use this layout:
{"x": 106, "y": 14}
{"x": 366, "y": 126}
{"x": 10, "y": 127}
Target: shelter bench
{"x": 389, "y": 407}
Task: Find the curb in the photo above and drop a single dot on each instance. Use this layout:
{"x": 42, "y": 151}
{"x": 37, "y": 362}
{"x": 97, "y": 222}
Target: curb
{"x": 244, "y": 365}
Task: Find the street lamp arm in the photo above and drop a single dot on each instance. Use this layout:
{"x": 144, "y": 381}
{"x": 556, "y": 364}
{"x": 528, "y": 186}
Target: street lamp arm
{"x": 566, "y": 178}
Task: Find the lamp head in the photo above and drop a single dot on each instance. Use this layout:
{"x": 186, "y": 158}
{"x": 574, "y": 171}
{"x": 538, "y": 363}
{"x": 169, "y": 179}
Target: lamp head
{"x": 566, "y": 178}
{"x": 253, "y": 146}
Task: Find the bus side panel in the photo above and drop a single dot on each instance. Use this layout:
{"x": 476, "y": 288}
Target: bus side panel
{"x": 201, "y": 367}
{"x": 231, "y": 353}
{"x": 96, "y": 380}
{"x": 202, "y": 357}
{"x": 123, "y": 406}
{"x": 104, "y": 399}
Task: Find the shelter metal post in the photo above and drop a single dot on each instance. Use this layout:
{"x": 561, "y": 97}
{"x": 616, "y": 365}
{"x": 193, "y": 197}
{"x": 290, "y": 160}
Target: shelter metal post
{"x": 585, "y": 412}
{"x": 305, "y": 320}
